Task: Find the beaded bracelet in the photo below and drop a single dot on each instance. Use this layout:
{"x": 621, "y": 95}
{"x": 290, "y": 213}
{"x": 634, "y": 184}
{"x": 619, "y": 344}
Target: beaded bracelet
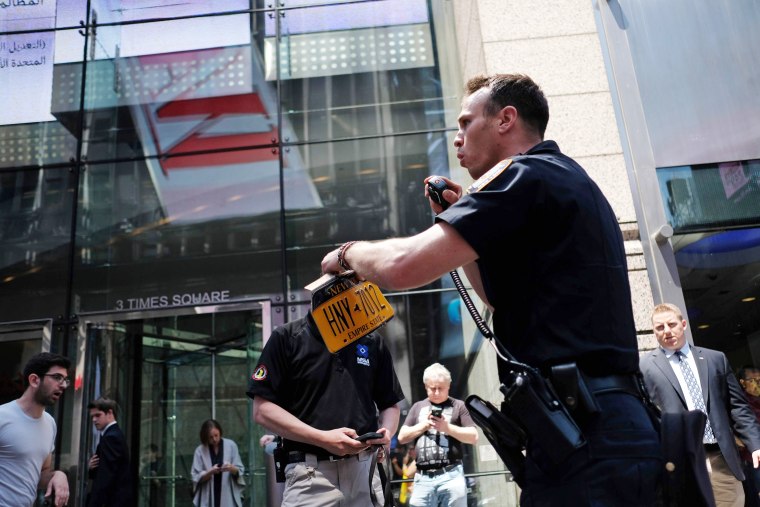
{"x": 342, "y": 255}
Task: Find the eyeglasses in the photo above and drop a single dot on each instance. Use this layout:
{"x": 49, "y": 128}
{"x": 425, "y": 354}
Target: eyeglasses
{"x": 755, "y": 381}
{"x": 437, "y": 389}
{"x": 59, "y": 378}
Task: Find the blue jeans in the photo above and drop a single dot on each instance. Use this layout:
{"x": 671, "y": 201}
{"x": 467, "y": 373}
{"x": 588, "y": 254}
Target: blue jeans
{"x": 447, "y": 489}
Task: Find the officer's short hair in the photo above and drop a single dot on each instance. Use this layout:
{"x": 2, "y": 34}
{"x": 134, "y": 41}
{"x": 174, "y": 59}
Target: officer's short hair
{"x": 434, "y": 372}
{"x": 517, "y": 90}
{"x": 40, "y": 364}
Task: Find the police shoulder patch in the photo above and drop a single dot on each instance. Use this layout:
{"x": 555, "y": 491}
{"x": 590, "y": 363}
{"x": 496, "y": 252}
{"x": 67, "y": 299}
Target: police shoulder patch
{"x": 489, "y": 176}
{"x": 260, "y": 373}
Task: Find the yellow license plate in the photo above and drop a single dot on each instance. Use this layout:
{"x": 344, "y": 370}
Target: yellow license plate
{"x": 351, "y": 314}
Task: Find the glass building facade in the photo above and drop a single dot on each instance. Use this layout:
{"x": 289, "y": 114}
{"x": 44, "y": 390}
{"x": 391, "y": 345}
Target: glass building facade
{"x": 171, "y": 176}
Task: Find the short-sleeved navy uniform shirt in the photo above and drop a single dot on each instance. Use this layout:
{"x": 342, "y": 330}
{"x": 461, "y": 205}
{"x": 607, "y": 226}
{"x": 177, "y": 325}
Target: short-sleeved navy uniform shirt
{"x": 553, "y": 264}
{"x": 324, "y": 390}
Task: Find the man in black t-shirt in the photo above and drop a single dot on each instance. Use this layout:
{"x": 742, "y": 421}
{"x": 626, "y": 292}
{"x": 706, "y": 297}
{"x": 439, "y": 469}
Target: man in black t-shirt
{"x": 438, "y": 425}
{"x": 318, "y": 403}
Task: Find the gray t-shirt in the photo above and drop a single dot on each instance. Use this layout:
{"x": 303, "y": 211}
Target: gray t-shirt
{"x": 436, "y": 449}
{"x": 25, "y": 443}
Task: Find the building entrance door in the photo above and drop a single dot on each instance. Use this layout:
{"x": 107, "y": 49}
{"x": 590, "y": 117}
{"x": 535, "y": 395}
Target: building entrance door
{"x": 170, "y": 372}
{"x": 18, "y": 343}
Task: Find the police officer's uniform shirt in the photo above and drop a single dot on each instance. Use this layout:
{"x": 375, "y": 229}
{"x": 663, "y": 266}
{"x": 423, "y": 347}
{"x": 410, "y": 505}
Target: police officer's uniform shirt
{"x": 553, "y": 265}
{"x": 324, "y": 390}
{"x": 433, "y": 448}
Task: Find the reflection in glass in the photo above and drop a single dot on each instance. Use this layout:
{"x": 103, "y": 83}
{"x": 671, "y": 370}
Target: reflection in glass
{"x": 35, "y": 233}
{"x": 154, "y": 238}
{"x": 721, "y": 286}
{"x": 34, "y": 128}
{"x": 191, "y": 371}
{"x": 706, "y": 196}
{"x": 368, "y": 189}
{"x": 343, "y": 74}
{"x": 184, "y": 101}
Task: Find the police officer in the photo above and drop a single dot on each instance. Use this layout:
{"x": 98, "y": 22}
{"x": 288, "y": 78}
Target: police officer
{"x": 319, "y": 403}
{"x": 541, "y": 246}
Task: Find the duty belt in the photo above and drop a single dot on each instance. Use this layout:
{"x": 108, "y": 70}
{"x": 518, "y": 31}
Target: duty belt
{"x": 613, "y": 383}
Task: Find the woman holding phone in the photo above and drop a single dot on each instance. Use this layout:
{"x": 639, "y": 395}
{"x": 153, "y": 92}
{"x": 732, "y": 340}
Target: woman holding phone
{"x": 217, "y": 469}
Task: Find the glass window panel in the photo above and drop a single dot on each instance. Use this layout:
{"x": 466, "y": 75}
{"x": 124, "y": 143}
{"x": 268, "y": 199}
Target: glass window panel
{"x": 35, "y": 233}
{"x": 354, "y": 105}
{"x": 332, "y": 15}
{"x": 27, "y": 15}
{"x": 39, "y": 119}
{"x": 706, "y": 196}
{"x": 721, "y": 287}
{"x": 70, "y": 12}
{"x": 123, "y": 11}
{"x": 204, "y": 229}
{"x": 365, "y": 189}
{"x": 159, "y": 100}
{"x": 355, "y": 75}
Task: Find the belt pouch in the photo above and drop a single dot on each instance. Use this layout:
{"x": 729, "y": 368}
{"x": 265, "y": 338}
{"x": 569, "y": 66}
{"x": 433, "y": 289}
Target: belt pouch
{"x": 568, "y": 383}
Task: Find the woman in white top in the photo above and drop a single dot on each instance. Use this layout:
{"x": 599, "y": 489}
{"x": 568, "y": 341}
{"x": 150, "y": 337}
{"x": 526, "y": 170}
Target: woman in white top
{"x": 217, "y": 469}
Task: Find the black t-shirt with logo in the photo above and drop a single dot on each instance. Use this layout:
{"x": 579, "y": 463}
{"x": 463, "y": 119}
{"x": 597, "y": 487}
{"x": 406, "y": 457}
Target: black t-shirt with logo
{"x": 324, "y": 390}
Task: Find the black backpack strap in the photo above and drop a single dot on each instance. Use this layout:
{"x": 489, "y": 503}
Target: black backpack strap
{"x": 386, "y": 484}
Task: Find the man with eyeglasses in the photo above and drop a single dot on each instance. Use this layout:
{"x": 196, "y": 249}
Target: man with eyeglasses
{"x": 27, "y": 435}
{"x": 438, "y": 425}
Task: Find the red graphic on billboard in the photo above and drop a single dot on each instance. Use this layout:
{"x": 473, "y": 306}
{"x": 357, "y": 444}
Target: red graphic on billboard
{"x": 208, "y": 100}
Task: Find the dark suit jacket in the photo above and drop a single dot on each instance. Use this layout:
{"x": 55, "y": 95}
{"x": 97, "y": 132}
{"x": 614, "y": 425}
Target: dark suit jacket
{"x": 111, "y": 479}
{"x": 727, "y": 408}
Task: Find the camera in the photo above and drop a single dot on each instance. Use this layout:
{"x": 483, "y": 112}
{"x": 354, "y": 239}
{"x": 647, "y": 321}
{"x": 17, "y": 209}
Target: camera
{"x": 436, "y": 411}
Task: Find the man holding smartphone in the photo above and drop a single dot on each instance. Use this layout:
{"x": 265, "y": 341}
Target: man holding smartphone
{"x": 330, "y": 410}
{"x": 438, "y": 425}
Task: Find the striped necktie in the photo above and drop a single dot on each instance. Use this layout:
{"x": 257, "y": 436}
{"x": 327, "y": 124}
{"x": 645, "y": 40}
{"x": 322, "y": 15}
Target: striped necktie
{"x": 696, "y": 394}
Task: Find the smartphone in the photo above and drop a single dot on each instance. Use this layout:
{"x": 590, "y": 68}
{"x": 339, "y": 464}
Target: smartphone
{"x": 372, "y": 435}
{"x": 436, "y": 411}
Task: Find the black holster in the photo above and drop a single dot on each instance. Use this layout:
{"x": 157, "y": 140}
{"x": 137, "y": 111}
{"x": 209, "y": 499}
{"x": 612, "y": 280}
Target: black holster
{"x": 531, "y": 401}
{"x": 531, "y": 413}
{"x": 280, "y": 461}
{"x": 505, "y": 435}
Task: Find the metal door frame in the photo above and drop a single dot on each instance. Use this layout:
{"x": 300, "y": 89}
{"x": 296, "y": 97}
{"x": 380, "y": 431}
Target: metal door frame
{"x": 80, "y": 419}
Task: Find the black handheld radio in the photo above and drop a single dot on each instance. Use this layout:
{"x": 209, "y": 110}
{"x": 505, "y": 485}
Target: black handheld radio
{"x": 435, "y": 186}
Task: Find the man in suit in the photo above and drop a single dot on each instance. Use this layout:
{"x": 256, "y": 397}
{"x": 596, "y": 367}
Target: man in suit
{"x": 109, "y": 466}
{"x": 682, "y": 377}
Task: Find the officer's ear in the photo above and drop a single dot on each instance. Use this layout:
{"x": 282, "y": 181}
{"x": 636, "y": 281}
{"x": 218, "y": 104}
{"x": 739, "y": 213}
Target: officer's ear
{"x": 507, "y": 118}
